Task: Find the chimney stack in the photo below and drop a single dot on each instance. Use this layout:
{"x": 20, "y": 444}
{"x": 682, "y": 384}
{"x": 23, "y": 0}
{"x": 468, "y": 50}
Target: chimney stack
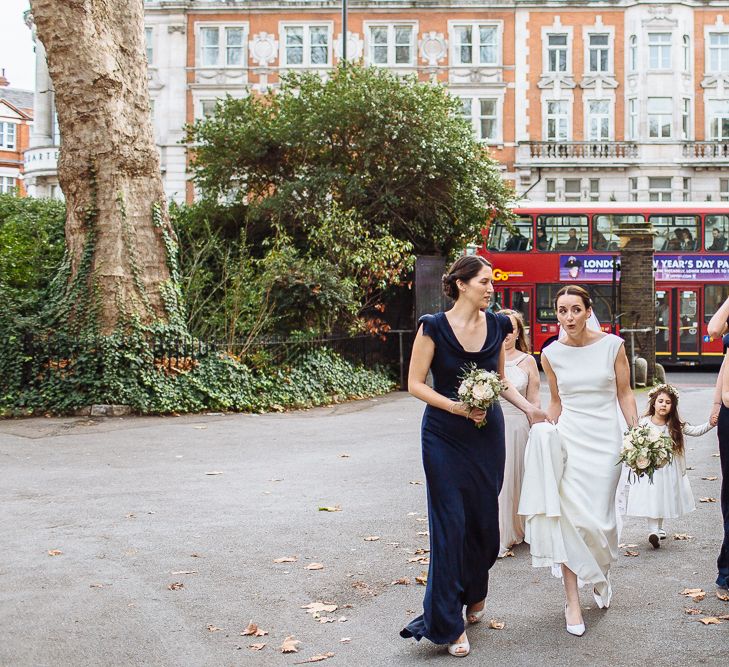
{"x": 3, "y": 80}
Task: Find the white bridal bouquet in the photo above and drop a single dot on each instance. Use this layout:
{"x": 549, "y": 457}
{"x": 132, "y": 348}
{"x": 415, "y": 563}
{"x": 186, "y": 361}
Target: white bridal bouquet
{"x": 645, "y": 450}
{"x": 480, "y": 389}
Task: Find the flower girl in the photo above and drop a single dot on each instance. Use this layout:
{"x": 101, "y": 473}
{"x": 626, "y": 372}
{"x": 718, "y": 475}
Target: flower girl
{"x": 670, "y": 495}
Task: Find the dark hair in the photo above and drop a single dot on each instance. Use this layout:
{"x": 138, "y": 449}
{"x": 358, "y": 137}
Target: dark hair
{"x": 574, "y": 290}
{"x": 463, "y": 269}
{"x": 674, "y": 423}
{"x": 522, "y": 337}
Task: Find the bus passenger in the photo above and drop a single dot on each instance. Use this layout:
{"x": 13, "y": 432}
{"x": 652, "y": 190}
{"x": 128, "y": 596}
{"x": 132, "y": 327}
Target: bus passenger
{"x": 719, "y": 240}
{"x": 542, "y": 240}
{"x": 572, "y": 243}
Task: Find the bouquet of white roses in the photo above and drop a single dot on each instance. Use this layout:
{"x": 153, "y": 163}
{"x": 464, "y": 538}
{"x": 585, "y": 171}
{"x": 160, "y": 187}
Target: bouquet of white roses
{"x": 480, "y": 389}
{"x": 645, "y": 450}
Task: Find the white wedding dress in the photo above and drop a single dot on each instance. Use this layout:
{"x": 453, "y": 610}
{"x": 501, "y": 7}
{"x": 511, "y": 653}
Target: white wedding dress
{"x": 571, "y": 476}
{"x": 516, "y": 434}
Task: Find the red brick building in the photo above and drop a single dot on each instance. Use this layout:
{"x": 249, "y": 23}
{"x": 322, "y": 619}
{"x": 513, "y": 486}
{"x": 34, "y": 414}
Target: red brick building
{"x": 16, "y": 119}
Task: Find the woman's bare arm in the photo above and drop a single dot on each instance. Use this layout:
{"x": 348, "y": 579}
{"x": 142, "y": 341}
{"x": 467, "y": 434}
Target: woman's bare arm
{"x": 626, "y": 399}
{"x": 717, "y": 394}
{"x": 534, "y": 381}
{"x": 534, "y": 413}
{"x": 554, "y": 409}
{"x": 717, "y": 324}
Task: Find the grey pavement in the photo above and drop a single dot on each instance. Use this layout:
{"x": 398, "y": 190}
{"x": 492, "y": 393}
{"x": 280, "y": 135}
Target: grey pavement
{"x": 131, "y": 507}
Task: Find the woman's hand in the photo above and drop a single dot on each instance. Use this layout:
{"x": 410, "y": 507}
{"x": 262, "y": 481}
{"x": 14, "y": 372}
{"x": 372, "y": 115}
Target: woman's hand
{"x": 536, "y": 416}
{"x": 714, "y": 419}
{"x": 476, "y": 415}
{"x": 463, "y": 410}
{"x": 553, "y": 414}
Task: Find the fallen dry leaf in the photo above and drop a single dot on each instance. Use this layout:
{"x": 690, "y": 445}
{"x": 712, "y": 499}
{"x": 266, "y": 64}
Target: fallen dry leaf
{"x": 289, "y": 645}
{"x": 693, "y": 611}
{"x": 276, "y": 479}
{"x": 314, "y": 566}
{"x": 175, "y": 586}
{"x": 509, "y": 554}
{"x": 55, "y": 552}
{"x": 318, "y": 607}
{"x": 710, "y": 620}
{"x": 632, "y": 554}
{"x": 496, "y": 625}
{"x": 372, "y": 538}
{"x": 716, "y": 456}
{"x": 214, "y": 472}
{"x": 362, "y": 587}
{"x": 345, "y": 640}
{"x": 285, "y": 559}
{"x": 102, "y": 586}
{"x": 421, "y": 551}
{"x": 698, "y": 597}
{"x": 195, "y": 556}
{"x": 252, "y": 630}
{"x": 424, "y": 560}
{"x": 342, "y": 619}
{"x": 200, "y": 428}
{"x": 707, "y": 500}
{"x": 403, "y": 582}
{"x": 691, "y": 591}
{"x": 325, "y": 619}
{"x": 422, "y": 579}
{"x": 627, "y": 546}
{"x": 724, "y": 617}
{"x": 423, "y": 533}
{"x": 316, "y": 658}
{"x": 344, "y": 456}
{"x": 690, "y": 468}
{"x": 416, "y": 482}
{"x": 184, "y": 572}
{"x": 682, "y": 536}
{"x": 711, "y": 478}
{"x": 722, "y": 596}
{"x": 336, "y": 508}
{"x": 131, "y": 515}
{"x": 257, "y": 647}
{"x": 212, "y": 628}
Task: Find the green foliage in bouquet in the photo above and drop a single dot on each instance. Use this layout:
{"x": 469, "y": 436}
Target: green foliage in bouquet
{"x": 645, "y": 449}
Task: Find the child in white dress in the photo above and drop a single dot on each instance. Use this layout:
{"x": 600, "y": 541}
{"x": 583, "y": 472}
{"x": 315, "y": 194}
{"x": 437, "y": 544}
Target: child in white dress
{"x": 670, "y": 495}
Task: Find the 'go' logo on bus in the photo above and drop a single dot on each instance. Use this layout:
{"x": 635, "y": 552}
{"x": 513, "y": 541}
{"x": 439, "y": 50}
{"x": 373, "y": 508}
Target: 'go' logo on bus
{"x": 499, "y": 275}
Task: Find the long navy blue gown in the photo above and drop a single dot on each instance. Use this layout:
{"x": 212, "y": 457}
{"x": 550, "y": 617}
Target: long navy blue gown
{"x": 464, "y": 469}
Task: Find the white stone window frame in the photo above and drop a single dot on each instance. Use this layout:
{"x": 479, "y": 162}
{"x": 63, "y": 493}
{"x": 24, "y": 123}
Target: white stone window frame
{"x": 632, "y": 112}
{"x": 7, "y": 175}
{"x": 587, "y": 32}
{"x": 546, "y": 33}
{"x": 568, "y": 101}
{"x": 151, "y": 45}
{"x": 222, "y": 44}
{"x": 709, "y": 118}
{"x": 611, "y": 116}
{"x": 391, "y": 25}
{"x": 476, "y": 95}
{"x": 660, "y": 192}
{"x": 686, "y": 53}
{"x": 475, "y": 28}
{"x": 689, "y": 134}
{"x": 671, "y": 50}
{"x": 4, "y": 144}
{"x": 648, "y": 115}
{"x": 306, "y": 25}
{"x": 708, "y": 31}
{"x": 632, "y": 54}
{"x": 200, "y": 95}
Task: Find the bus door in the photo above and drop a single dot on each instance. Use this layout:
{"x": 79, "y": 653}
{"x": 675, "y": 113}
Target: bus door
{"x": 520, "y": 299}
{"x": 689, "y": 329}
{"x": 664, "y": 310}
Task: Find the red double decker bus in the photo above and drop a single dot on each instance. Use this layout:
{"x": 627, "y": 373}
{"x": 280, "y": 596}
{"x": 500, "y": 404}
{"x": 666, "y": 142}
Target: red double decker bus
{"x": 552, "y": 244}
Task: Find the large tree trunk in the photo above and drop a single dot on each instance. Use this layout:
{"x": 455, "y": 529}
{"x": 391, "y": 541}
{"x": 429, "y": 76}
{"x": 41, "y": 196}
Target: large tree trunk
{"x": 108, "y": 159}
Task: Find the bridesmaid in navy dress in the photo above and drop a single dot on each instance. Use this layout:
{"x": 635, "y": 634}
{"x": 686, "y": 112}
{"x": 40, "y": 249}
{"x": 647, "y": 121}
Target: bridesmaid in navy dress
{"x": 464, "y": 465}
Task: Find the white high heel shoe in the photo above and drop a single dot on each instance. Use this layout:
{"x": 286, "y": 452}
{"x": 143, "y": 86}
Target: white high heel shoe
{"x": 460, "y": 649}
{"x": 576, "y": 630}
{"x": 474, "y": 617}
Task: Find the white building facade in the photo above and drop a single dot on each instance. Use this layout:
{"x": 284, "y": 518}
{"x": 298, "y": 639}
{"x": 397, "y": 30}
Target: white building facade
{"x": 579, "y": 101}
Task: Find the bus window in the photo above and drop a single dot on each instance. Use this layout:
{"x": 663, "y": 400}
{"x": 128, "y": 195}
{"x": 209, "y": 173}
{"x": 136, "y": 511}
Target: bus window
{"x": 604, "y": 226}
{"x": 716, "y": 233}
{"x": 675, "y": 233}
{"x": 714, "y": 296}
{"x": 545, "y": 302}
{"x": 562, "y": 233}
{"x": 503, "y": 240}
{"x": 602, "y": 302}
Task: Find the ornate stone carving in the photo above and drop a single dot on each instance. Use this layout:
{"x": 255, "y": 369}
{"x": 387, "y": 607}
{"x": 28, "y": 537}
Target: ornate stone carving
{"x": 263, "y": 48}
{"x": 176, "y": 27}
{"x": 355, "y": 46}
{"x": 433, "y": 48}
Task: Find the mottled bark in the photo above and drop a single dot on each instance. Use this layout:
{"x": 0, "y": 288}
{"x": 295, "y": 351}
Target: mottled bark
{"x": 96, "y": 58}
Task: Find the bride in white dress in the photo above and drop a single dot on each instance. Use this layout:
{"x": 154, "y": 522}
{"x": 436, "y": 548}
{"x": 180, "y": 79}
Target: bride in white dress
{"x": 589, "y": 378}
{"x": 522, "y": 373}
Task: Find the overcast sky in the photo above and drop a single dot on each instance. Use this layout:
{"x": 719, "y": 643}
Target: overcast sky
{"x": 16, "y": 46}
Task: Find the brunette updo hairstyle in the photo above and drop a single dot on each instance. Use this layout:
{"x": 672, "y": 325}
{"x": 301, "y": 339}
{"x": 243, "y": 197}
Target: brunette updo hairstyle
{"x": 463, "y": 269}
{"x": 574, "y": 290}
{"x": 522, "y": 338}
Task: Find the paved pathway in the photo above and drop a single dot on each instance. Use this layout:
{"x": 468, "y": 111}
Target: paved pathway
{"x": 131, "y": 506}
